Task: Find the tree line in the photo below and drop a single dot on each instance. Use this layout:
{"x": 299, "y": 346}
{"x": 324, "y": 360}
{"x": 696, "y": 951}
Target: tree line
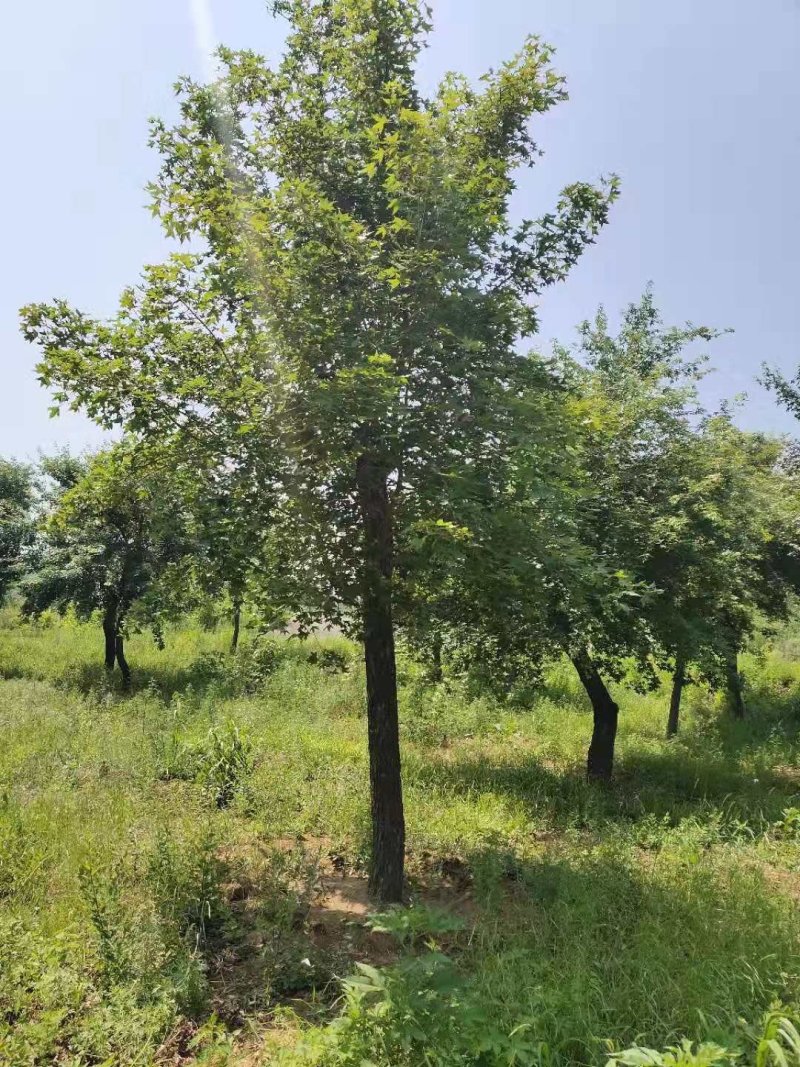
{"x": 327, "y": 407}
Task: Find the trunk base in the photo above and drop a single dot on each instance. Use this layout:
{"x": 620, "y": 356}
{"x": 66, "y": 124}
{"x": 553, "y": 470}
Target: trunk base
{"x": 600, "y": 759}
{"x": 123, "y": 663}
{"x": 678, "y": 682}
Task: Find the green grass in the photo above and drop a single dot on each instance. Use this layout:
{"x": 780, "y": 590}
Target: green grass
{"x": 168, "y": 859}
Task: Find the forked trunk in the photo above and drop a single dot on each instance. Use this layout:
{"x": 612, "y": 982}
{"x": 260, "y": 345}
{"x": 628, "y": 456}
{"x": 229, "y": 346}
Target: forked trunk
{"x": 237, "y": 618}
{"x": 733, "y": 682}
{"x": 678, "y": 682}
{"x": 600, "y": 760}
{"x": 119, "y": 647}
{"x": 388, "y": 825}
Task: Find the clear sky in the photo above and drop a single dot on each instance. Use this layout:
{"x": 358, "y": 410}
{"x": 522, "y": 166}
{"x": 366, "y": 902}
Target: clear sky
{"x": 694, "y": 103}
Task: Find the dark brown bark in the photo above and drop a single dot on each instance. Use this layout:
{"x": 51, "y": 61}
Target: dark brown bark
{"x": 733, "y": 682}
{"x": 600, "y": 759}
{"x": 123, "y": 663}
{"x": 678, "y": 682}
{"x": 237, "y": 619}
{"x": 110, "y": 637}
{"x": 388, "y": 825}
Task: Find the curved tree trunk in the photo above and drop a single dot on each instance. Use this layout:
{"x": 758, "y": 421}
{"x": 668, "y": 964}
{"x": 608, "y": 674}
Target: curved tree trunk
{"x": 733, "y": 682}
{"x": 600, "y": 759}
{"x": 237, "y": 619}
{"x": 119, "y": 647}
{"x": 678, "y": 682}
{"x": 388, "y": 825}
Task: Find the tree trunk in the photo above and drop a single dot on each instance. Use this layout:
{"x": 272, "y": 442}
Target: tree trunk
{"x": 119, "y": 648}
{"x": 600, "y": 760}
{"x": 678, "y": 682}
{"x": 388, "y": 826}
{"x": 733, "y": 682}
{"x": 436, "y": 655}
{"x": 110, "y": 636}
{"x": 237, "y": 618}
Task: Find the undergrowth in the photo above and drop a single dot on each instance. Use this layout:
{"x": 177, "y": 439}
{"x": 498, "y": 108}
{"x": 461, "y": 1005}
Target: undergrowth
{"x": 175, "y": 865}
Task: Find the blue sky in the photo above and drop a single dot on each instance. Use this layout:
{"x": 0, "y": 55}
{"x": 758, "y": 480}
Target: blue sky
{"x": 694, "y": 103}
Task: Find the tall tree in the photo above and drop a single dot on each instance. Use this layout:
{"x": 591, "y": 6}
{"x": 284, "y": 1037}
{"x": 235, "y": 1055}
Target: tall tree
{"x": 353, "y": 318}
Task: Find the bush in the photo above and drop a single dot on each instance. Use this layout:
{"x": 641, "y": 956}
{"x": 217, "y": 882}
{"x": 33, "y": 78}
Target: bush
{"x": 223, "y": 760}
{"x": 422, "y": 1010}
{"x": 219, "y": 762}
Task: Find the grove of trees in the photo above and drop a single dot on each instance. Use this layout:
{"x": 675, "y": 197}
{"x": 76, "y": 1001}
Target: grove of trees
{"x": 327, "y": 406}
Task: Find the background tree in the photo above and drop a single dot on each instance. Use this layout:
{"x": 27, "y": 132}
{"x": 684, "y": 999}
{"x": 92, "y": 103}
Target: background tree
{"x": 17, "y": 496}
{"x": 355, "y": 315}
{"x": 108, "y": 544}
{"x": 621, "y": 555}
{"x": 688, "y": 510}
{"x": 727, "y": 555}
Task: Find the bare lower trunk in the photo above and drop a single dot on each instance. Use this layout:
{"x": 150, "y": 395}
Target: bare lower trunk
{"x": 110, "y": 637}
{"x": 678, "y": 682}
{"x": 119, "y": 648}
{"x": 388, "y": 825}
{"x": 600, "y": 759}
{"x": 237, "y": 618}
{"x": 733, "y": 682}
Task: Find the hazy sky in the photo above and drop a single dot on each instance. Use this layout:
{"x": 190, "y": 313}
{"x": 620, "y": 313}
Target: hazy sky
{"x": 694, "y": 103}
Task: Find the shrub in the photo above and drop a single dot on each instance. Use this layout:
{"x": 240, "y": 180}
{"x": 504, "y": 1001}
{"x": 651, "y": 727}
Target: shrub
{"x": 223, "y": 760}
{"x": 422, "y": 1010}
{"x": 185, "y": 880}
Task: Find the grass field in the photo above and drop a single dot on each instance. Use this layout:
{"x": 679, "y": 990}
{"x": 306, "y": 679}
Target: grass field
{"x": 182, "y": 868}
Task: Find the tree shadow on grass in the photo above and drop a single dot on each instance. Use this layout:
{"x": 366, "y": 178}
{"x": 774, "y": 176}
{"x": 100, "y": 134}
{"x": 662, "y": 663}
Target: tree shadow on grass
{"x": 773, "y": 717}
{"x": 674, "y": 784}
{"x": 164, "y": 681}
{"x": 602, "y": 946}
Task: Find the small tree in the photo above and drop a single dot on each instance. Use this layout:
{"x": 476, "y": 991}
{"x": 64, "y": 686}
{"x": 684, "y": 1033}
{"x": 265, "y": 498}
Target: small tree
{"x": 107, "y": 545}
{"x": 636, "y": 403}
{"x": 354, "y": 319}
{"x": 725, "y": 555}
{"x": 688, "y": 510}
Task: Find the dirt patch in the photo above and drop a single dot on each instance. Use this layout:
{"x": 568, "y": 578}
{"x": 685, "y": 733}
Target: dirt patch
{"x": 299, "y": 921}
{"x": 786, "y": 882}
{"x": 786, "y": 774}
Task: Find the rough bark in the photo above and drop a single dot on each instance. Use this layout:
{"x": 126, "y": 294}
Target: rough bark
{"x": 678, "y": 682}
{"x": 600, "y": 759}
{"x": 388, "y": 825}
{"x": 123, "y": 663}
{"x": 237, "y": 619}
{"x": 733, "y": 682}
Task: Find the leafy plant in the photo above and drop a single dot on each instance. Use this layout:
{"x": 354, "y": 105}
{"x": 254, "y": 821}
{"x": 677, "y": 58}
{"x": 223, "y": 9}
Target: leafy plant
{"x": 779, "y": 1042}
{"x": 686, "y": 1054}
{"x": 418, "y": 921}
{"x": 223, "y": 762}
{"x": 185, "y": 880}
{"x": 788, "y": 826}
{"x": 419, "y": 1011}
